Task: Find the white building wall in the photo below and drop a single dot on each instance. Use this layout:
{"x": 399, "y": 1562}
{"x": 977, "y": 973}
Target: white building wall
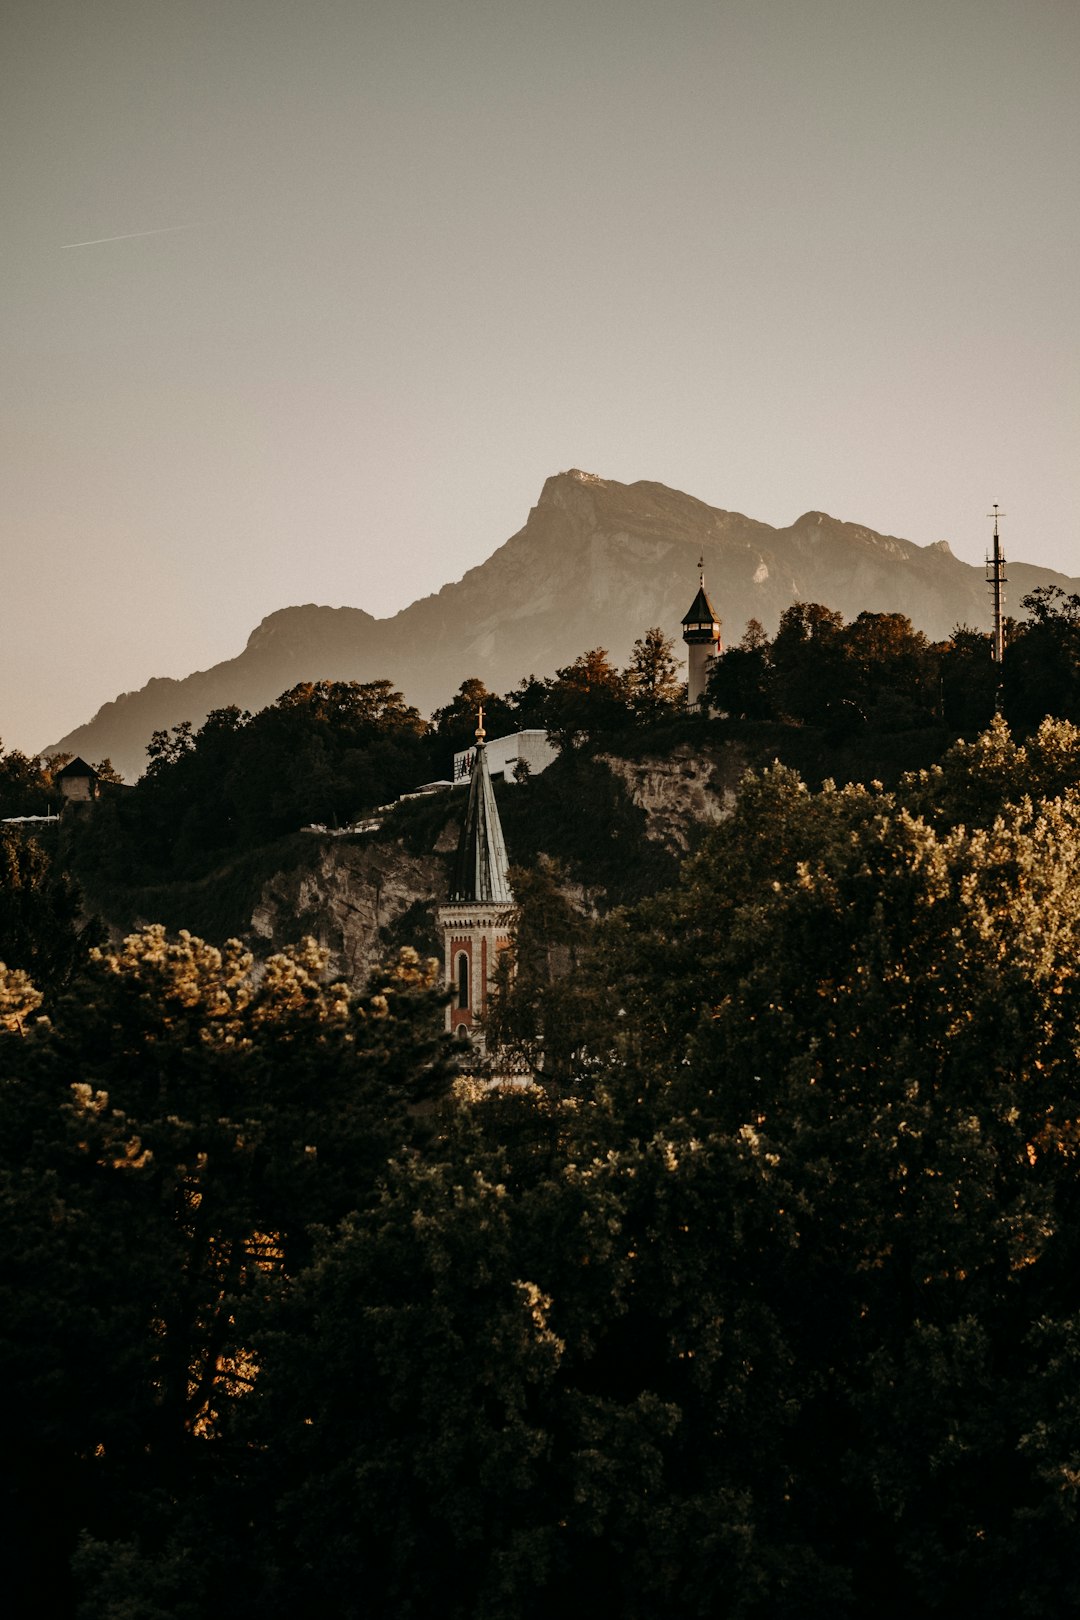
{"x": 700, "y": 658}
{"x": 503, "y": 754}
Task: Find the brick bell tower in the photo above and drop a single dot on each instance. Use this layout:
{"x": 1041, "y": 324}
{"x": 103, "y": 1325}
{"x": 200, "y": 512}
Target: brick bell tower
{"x": 701, "y": 632}
{"x": 475, "y": 921}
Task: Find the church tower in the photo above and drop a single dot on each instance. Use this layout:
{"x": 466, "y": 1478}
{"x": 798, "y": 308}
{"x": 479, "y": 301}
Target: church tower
{"x": 475, "y": 921}
{"x": 701, "y": 632}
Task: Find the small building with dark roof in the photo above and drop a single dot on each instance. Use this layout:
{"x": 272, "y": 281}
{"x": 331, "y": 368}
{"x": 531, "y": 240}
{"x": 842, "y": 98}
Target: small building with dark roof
{"x": 701, "y": 632}
{"x": 77, "y": 781}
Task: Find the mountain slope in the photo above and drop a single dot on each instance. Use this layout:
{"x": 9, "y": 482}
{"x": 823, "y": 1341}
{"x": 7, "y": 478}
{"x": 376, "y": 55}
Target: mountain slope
{"x": 596, "y": 563}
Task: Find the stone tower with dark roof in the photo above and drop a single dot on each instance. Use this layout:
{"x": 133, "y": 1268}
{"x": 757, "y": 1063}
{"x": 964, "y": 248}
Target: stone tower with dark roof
{"x": 475, "y": 920}
{"x": 701, "y": 632}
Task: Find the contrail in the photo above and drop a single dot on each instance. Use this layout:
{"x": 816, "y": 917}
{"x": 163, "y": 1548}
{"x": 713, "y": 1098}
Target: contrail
{"x": 130, "y": 236}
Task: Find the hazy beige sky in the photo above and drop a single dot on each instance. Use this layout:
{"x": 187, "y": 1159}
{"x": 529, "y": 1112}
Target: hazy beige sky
{"x": 783, "y": 254}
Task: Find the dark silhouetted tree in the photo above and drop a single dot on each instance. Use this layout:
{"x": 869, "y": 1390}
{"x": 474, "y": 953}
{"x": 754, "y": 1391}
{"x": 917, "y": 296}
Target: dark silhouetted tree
{"x": 653, "y": 686}
{"x": 1042, "y": 660}
{"x": 585, "y": 700}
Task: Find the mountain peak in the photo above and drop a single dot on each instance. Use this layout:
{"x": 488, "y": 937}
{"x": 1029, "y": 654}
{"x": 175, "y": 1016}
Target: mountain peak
{"x": 564, "y": 486}
{"x": 596, "y": 563}
{"x": 301, "y": 625}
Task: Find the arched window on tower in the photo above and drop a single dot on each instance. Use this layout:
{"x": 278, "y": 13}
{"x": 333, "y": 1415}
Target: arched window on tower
{"x": 463, "y": 980}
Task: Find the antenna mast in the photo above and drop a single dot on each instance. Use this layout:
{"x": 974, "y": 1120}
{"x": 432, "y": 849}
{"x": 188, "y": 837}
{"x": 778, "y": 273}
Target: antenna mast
{"x": 996, "y": 578}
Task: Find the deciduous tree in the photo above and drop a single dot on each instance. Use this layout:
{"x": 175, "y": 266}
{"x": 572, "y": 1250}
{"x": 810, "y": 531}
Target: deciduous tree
{"x": 170, "y": 1139}
{"x": 586, "y": 699}
{"x": 652, "y": 679}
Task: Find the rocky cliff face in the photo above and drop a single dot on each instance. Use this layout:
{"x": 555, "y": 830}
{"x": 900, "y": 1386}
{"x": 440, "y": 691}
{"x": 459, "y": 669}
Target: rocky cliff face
{"x": 683, "y": 794}
{"x": 596, "y": 564}
{"x": 360, "y": 901}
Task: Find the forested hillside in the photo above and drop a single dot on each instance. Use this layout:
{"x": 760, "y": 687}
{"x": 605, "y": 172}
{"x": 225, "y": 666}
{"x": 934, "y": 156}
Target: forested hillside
{"x": 761, "y": 1302}
{"x": 210, "y": 837}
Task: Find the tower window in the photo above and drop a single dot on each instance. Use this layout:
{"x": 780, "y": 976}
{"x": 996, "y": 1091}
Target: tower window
{"x": 463, "y": 980}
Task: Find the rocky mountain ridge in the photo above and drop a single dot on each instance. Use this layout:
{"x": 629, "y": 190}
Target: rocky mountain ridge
{"x": 596, "y": 563}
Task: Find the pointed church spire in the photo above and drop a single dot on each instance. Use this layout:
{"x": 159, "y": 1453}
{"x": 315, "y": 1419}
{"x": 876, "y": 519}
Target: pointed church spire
{"x": 480, "y": 871}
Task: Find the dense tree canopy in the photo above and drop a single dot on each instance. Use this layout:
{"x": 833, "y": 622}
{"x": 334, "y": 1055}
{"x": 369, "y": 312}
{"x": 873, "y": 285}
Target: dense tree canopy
{"x": 534, "y": 1020}
{"x": 764, "y": 1304}
{"x": 454, "y": 726}
{"x": 768, "y": 1309}
{"x": 818, "y": 670}
{"x": 325, "y": 752}
{"x": 42, "y": 926}
{"x": 27, "y": 787}
{"x": 1042, "y": 662}
{"x": 586, "y": 698}
{"x": 880, "y": 672}
{"x": 329, "y": 752}
{"x": 170, "y": 1141}
{"x": 883, "y": 1008}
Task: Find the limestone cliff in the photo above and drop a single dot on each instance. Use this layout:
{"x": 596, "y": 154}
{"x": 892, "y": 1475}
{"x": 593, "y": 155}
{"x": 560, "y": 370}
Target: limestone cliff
{"x": 692, "y": 789}
{"x": 361, "y": 900}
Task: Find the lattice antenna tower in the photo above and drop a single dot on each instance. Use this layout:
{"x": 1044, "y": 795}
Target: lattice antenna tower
{"x": 996, "y": 579}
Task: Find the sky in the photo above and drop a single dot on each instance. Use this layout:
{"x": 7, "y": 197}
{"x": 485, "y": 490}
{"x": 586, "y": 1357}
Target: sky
{"x": 302, "y": 300}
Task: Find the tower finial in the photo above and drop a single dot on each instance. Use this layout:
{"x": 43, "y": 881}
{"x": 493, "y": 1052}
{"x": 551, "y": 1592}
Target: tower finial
{"x": 701, "y": 570}
{"x": 480, "y": 732}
